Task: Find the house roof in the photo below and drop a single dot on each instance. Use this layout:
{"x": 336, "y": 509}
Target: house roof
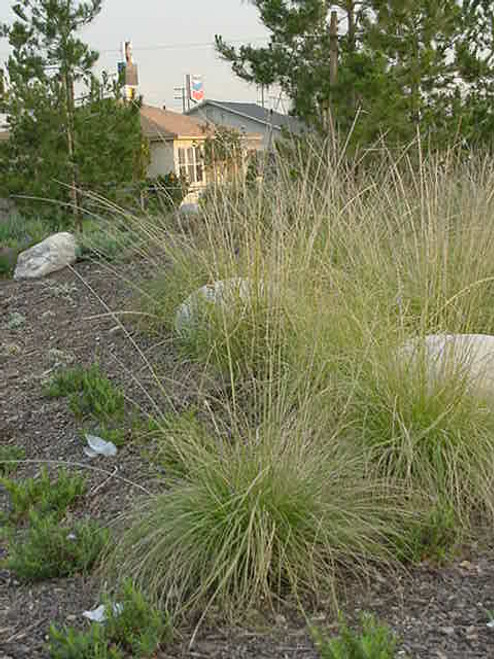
{"x": 255, "y": 113}
{"x": 4, "y": 135}
{"x": 159, "y": 124}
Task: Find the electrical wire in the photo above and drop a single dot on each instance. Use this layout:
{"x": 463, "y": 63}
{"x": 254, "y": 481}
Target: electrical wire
{"x": 171, "y": 46}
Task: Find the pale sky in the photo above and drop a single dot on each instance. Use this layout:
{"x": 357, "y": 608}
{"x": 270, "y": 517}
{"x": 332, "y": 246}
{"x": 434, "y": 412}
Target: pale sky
{"x": 169, "y": 39}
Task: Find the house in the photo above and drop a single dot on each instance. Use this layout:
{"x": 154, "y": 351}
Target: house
{"x": 248, "y": 118}
{"x": 175, "y": 145}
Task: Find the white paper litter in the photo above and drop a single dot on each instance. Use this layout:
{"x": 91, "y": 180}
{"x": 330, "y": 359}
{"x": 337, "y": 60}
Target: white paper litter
{"x": 97, "y": 446}
{"x": 99, "y": 613}
{"x": 490, "y": 624}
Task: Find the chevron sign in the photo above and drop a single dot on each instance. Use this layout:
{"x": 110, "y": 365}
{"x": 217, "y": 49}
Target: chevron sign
{"x": 196, "y": 88}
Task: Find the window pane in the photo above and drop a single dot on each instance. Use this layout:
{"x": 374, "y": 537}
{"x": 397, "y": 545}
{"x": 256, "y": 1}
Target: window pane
{"x": 198, "y": 172}
{"x": 181, "y": 156}
{"x": 190, "y": 156}
{"x": 183, "y": 171}
{"x": 190, "y": 169}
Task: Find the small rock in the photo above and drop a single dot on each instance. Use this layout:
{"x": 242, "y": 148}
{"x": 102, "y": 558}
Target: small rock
{"x": 449, "y": 631}
{"x": 52, "y": 254}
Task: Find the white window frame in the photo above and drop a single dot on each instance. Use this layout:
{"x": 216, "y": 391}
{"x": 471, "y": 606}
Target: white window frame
{"x": 191, "y": 163}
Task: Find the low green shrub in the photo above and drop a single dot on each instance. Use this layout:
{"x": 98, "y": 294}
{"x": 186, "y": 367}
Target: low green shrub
{"x": 376, "y": 641}
{"x": 90, "y": 393}
{"x": 134, "y": 629}
{"x": 48, "y": 549}
{"x": 106, "y": 241}
{"x": 20, "y": 233}
{"x": 435, "y": 537}
{"x": 8, "y": 260}
{"x": 68, "y": 643}
{"x": 10, "y": 456}
{"x": 136, "y": 626}
{"x": 42, "y": 494}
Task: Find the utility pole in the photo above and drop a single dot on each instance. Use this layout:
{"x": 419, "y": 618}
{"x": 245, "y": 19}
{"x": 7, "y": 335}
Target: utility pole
{"x": 333, "y": 69}
{"x": 180, "y": 95}
{"x": 333, "y": 49}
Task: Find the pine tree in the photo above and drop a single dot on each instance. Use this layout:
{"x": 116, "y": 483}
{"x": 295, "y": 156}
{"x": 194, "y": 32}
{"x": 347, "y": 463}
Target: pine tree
{"x": 404, "y": 65}
{"x": 48, "y": 59}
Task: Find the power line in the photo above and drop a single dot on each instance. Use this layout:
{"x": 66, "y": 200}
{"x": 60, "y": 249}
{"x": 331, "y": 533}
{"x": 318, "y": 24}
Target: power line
{"x": 177, "y": 46}
{"x": 172, "y": 46}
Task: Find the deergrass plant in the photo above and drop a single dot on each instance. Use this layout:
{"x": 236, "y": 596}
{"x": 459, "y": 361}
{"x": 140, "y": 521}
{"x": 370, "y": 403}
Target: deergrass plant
{"x": 437, "y": 437}
{"x": 255, "y": 520}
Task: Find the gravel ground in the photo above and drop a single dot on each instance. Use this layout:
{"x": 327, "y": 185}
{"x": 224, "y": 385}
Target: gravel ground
{"x": 438, "y": 612}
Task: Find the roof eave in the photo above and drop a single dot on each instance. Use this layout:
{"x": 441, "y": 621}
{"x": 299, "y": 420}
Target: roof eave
{"x": 240, "y": 114}
{"x": 166, "y": 137}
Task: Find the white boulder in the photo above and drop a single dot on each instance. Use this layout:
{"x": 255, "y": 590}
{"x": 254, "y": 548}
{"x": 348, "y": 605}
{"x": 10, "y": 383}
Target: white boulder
{"x": 53, "y": 253}
{"x": 190, "y": 208}
{"x": 469, "y": 356}
{"x": 227, "y": 292}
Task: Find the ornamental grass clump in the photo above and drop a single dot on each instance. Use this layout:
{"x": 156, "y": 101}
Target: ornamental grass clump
{"x": 259, "y": 519}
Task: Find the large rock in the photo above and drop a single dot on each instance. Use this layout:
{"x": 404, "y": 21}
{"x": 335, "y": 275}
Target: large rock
{"x": 469, "y": 356}
{"x": 227, "y": 292}
{"x": 53, "y": 253}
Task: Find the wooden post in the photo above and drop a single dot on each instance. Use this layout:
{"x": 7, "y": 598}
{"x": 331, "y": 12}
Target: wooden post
{"x": 333, "y": 49}
{"x": 333, "y": 70}
{"x": 69, "y": 116}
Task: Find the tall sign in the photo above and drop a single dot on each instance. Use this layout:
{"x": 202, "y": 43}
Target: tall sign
{"x": 195, "y": 88}
{"x": 128, "y": 70}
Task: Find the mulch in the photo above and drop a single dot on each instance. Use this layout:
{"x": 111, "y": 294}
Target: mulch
{"x": 438, "y": 612}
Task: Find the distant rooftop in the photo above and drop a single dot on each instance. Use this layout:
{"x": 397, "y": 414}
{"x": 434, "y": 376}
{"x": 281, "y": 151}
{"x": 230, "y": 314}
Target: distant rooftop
{"x": 254, "y": 112}
{"x": 158, "y": 123}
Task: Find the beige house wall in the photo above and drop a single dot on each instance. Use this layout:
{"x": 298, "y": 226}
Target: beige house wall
{"x": 161, "y": 158}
